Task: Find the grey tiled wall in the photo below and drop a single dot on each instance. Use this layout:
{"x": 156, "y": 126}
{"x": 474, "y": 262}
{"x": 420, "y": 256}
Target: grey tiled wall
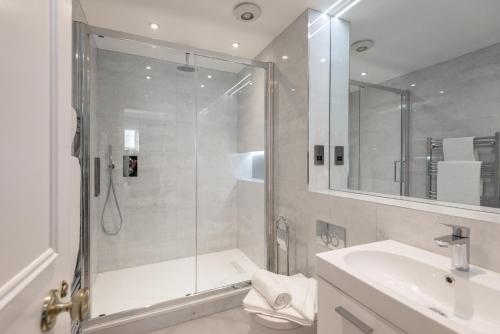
{"x": 291, "y": 141}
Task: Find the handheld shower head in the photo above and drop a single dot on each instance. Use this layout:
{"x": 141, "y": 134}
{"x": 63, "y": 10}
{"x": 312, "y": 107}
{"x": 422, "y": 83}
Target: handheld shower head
{"x": 111, "y": 164}
{"x": 111, "y": 190}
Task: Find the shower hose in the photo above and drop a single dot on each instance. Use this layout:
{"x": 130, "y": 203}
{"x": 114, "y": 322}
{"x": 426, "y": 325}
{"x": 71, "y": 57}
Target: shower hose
{"x": 111, "y": 188}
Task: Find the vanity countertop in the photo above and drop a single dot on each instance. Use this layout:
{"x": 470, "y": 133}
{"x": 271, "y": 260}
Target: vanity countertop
{"x": 415, "y": 289}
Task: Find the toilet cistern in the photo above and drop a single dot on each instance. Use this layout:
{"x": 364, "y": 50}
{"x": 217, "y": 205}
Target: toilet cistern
{"x": 459, "y": 242}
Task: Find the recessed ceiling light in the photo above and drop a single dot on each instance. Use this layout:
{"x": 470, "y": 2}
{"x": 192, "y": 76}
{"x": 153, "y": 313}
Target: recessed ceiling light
{"x": 292, "y": 90}
{"x": 236, "y": 45}
{"x": 148, "y": 77}
{"x": 148, "y": 67}
{"x": 209, "y": 76}
{"x": 202, "y": 86}
{"x": 154, "y": 26}
{"x": 441, "y": 92}
{"x": 413, "y": 85}
{"x": 323, "y": 60}
{"x": 285, "y": 57}
{"x": 364, "y": 74}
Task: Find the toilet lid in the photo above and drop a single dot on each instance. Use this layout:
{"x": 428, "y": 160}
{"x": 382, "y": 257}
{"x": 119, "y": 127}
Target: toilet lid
{"x": 275, "y": 323}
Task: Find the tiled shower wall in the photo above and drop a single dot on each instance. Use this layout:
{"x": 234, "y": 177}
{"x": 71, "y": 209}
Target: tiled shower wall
{"x": 366, "y": 220}
{"x": 158, "y": 206}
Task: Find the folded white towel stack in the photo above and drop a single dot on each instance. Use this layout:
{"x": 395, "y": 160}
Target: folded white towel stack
{"x": 459, "y": 149}
{"x": 303, "y": 307}
{"x": 459, "y": 182}
{"x": 271, "y": 289}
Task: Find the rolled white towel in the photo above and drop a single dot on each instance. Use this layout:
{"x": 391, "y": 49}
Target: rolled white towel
{"x": 270, "y": 287}
{"x": 304, "y": 293}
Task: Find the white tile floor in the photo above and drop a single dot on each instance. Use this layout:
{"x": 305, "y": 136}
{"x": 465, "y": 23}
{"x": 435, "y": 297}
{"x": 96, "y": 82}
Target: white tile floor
{"x": 125, "y": 289}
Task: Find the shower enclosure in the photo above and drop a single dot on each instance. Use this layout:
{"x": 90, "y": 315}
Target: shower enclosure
{"x": 378, "y": 139}
{"x": 176, "y": 169}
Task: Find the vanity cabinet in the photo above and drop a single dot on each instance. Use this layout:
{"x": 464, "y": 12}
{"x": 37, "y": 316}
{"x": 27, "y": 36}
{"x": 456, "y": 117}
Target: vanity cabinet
{"x": 340, "y": 314}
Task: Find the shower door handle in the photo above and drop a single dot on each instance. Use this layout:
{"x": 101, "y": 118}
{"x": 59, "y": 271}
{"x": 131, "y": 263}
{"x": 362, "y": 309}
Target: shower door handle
{"x": 97, "y": 176}
{"x": 396, "y": 162}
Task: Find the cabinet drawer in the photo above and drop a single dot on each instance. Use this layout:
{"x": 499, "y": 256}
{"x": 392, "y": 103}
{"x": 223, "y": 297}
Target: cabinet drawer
{"x": 340, "y": 314}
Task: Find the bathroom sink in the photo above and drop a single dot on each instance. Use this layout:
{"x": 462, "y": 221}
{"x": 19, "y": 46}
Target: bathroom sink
{"x": 415, "y": 289}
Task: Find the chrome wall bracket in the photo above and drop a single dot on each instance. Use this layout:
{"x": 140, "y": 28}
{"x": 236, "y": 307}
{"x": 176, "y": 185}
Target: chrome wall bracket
{"x": 330, "y": 235}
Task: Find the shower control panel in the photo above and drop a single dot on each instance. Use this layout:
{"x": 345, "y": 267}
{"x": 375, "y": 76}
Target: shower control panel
{"x": 319, "y": 154}
{"x": 339, "y": 155}
{"x": 130, "y": 164}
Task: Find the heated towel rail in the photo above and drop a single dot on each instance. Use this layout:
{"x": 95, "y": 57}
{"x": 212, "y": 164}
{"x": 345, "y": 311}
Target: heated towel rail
{"x": 488, "y": 149}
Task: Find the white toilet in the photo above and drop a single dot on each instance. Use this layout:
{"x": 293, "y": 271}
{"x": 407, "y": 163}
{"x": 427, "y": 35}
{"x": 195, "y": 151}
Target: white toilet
{"x": 265, "y": 324}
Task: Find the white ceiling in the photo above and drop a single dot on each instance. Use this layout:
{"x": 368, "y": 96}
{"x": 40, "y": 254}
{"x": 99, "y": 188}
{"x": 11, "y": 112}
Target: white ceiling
{"x": 205, "y": 24}
{"x": 408, "y": 34}
{"x": 414, "y": 34}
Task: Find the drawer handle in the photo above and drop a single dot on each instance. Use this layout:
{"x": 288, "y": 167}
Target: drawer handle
{"x": 353, "y": 320}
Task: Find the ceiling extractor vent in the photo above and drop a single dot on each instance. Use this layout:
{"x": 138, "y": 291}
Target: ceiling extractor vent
{"x": 362, "y": 46}
{"x": 247, "y": 12}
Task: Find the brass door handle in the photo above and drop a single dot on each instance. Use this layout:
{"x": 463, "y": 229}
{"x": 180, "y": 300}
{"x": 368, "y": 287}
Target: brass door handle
{"x": 52, "y": 306}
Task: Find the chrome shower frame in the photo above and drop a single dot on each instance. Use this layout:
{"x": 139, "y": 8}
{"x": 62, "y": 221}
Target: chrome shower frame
{"x": 404, "y": 167}
{"x": 81, "y": 40}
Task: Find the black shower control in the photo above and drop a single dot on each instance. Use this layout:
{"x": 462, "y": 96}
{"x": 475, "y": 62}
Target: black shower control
{"x": 319, "y": 154}
{"x": 130, "y": 165}
{"x": 339, "y": 155}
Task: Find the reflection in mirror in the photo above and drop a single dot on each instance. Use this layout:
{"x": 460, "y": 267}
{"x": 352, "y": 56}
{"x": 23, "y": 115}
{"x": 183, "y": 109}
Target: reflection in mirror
{"x": 424, "y": 102}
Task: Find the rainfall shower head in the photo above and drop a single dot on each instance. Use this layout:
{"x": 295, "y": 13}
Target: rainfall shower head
{"x": 186, "y": 68}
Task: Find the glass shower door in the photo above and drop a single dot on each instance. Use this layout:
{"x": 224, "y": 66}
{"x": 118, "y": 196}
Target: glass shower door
{"x": 376, "y": 136}
{"x": 230, "y": 132}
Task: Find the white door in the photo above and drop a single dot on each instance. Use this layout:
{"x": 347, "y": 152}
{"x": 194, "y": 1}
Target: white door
{"x": 39, "y": 179}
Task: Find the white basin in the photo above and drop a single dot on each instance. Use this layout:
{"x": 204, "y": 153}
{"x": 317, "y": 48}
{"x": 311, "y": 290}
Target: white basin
{"x": 411, "y": 288}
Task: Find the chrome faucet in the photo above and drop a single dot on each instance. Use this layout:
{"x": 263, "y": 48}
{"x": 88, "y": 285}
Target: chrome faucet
{"x": 459, "y": 242}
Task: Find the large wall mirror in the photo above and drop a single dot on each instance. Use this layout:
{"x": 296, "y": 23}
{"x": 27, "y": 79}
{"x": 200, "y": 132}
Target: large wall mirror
{"x": 423, "y": 101}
